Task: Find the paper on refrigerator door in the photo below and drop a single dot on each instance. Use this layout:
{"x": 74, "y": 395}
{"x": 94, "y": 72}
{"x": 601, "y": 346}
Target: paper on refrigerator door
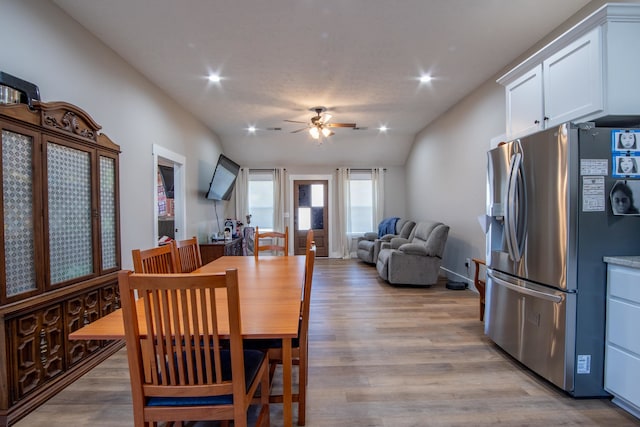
{"x": 593, "y": 197}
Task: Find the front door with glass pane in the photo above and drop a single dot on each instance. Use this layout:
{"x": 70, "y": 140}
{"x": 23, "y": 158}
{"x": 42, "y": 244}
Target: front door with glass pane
{"x": 310, "y": 212}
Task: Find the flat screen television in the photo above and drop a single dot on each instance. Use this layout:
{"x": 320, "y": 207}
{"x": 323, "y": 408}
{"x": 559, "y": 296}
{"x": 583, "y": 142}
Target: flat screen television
{"x": 224, "y": 179}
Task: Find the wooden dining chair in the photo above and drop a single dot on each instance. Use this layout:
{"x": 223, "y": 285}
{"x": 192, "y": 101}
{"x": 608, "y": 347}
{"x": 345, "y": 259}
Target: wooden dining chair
{"x": 273, "y": 245}
{"x": 480, "y": 284}
{"x": 188, "y": 254}
{"x": 161, "y": 260}
{"x": 300, "y": 345}
{"x": 309, "y": 240}
{"x": 302, "y": 351}
{"x": 191, "y": 377}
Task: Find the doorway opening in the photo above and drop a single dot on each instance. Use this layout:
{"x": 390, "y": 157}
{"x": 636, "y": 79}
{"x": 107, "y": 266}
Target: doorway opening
{"x": 169, "y": 195}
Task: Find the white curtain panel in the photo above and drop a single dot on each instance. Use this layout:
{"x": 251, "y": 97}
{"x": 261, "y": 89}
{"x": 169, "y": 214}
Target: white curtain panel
{"x": 280, "y": 178}
{"x": 377, "y": 180}
{"x": 242, "y": 195}
{"x": 344, "y": 207}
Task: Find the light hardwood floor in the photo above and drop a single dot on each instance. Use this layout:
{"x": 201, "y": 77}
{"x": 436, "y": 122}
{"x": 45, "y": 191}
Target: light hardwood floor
{"x": 380, "y": 356}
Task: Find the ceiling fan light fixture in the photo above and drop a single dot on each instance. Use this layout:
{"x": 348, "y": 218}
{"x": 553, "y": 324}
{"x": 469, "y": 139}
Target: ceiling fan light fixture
{"x": 318, "y": 127}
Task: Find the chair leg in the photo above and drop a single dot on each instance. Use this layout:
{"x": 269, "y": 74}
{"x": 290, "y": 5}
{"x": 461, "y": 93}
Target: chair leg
{"x": 302, "y": 390}
{"x": 264, "y": 406}
{"x": 272, "y": 370}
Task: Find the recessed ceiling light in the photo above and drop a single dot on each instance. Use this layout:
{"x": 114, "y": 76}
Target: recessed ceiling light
{"x": 425, "y": 78}
{"x": 214, "y": 78}
{"x": 383, "y": 128}
{"x": 251, "y": 129}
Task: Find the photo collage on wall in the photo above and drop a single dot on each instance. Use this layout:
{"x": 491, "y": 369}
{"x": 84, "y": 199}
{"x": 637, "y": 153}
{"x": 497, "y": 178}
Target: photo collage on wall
{"x": 625, "y": 163}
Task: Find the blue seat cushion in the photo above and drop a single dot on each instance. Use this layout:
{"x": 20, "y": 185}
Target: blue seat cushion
{"x": 252, "y": 361}
{"x": 267, "y": 343}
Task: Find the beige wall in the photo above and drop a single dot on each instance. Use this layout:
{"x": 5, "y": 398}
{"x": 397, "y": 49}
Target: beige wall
{"x": 453, "y": 190}
{"x": 446, "y": 172}
{"x": 44, "y": 46}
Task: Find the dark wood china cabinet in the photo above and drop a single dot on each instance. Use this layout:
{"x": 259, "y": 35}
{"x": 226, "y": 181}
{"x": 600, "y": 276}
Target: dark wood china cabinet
{"x": 60, "y": 249}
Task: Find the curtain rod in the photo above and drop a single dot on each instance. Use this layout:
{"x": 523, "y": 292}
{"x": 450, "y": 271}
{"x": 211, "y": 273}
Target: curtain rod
{"x": 362, "y": 170}
{"x": 263, "y": 170}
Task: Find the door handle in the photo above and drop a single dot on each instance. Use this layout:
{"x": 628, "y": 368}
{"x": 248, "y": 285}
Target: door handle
{"x": 527, "y": 291}
{"x": 511, "y": 213}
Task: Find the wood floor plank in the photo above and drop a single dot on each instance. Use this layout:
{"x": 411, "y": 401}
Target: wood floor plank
{"x": 380, "y": 356}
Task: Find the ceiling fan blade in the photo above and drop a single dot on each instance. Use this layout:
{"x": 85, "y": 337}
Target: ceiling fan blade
{"x": 298, "y": 130}
{"x": 341, "y": 125}
{"x": 294, "y": 121}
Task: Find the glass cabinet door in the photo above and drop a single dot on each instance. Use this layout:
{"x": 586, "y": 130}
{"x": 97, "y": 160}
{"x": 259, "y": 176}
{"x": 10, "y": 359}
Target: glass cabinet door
{"x": 108, "y": 213}
{"x": 19, "y": 214}
{"x": 69, "y": 211}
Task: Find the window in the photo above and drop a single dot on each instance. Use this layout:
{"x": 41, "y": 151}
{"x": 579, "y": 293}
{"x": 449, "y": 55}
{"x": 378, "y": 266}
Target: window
{"x": 261, "y": 199}
{"x": 361, "y": 202}
{"x": 311, "y": 209}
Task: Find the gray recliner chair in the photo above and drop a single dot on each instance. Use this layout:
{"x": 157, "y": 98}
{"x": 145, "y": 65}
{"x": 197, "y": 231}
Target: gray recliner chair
{"x": 416, "y": 260}
{"x": 369, "y": 245}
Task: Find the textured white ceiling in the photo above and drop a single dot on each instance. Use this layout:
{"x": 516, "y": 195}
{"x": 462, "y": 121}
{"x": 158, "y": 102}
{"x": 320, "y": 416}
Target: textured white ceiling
{"x": 358, "y": 58}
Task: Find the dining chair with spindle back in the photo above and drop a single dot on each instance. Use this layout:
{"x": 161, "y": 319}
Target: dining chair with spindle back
{"x": 188, "y": 254}
{"x": 161, "y": 259}
{"x": 178, "y": 369}
{"x": 273, "y": 245}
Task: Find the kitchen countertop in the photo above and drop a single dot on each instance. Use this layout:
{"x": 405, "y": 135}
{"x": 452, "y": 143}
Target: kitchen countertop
{"x": 625, "y": 261}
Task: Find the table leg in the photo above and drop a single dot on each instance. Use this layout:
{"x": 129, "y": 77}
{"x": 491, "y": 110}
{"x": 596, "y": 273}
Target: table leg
{"x": 287, "y": 399}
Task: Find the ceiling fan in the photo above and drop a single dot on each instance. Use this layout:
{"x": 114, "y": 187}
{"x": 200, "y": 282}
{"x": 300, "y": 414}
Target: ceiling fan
{"x": 319, "y": 124}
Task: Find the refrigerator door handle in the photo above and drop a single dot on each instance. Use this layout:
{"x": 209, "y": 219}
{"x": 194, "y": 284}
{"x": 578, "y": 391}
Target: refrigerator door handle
{"x": 521, "y": 208}
{"x": 510, "y": 215}
{"x": 521, "y": 289}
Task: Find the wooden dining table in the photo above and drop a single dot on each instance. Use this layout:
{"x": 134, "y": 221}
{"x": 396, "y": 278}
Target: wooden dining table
{"x": 270, "y": 297}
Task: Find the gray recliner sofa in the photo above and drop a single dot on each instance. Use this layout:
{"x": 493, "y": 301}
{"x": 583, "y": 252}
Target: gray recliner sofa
{"x": 416, "y": 260}
{"x": 369, "y": 245}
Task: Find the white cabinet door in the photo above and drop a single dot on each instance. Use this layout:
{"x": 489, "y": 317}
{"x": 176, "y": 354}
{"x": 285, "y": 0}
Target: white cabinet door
{"x": 572, "y": 80}
{"x": 622, "y": 352}
{"x": 622, "y": 66}
{"x": 524, "y": 104}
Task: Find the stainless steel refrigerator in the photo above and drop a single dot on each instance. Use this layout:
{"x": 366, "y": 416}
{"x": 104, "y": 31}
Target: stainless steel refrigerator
{"x": 550, "y": 224}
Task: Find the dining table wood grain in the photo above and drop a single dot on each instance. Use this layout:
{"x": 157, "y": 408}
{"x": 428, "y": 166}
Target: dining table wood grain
{"x": 270, "y": 297}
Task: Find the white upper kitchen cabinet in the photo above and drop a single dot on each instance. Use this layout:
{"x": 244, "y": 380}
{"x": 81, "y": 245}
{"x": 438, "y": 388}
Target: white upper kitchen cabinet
{"x": 525, "y": 104}
{"x": 573, "y": 84}
{"x": 587, "y": 73}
